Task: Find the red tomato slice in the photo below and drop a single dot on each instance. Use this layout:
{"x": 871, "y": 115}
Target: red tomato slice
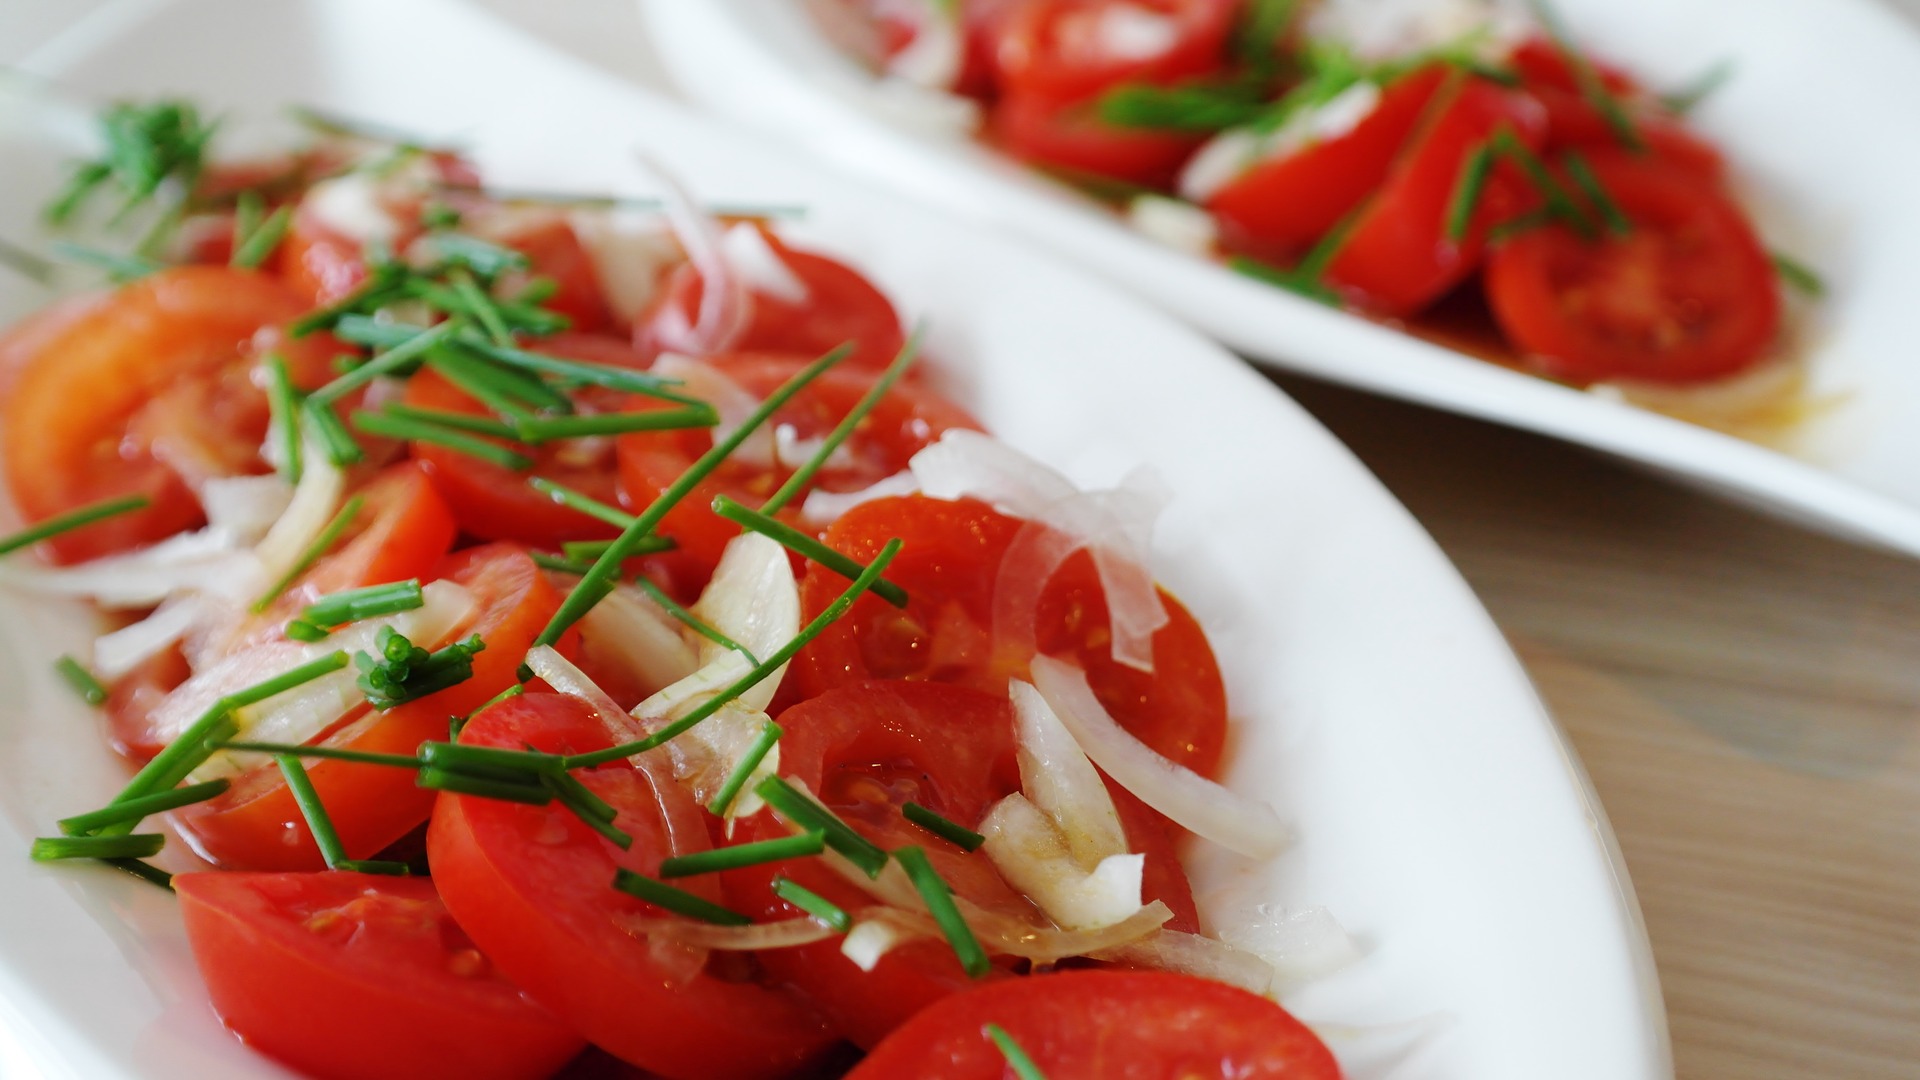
{"x": 1398, "y": 259}
{"x": 318, "y": 261}
{"x": 134, "y": 696}
{"x": 1070, "y": 138}
{"x": 554, "y": 250}
{"x": 1277, "y": 209}
{"x": 950, "y": 565}
{"x": 841, "y": 306}
{"x": 1105, "y": 1025}
{"x": 1688, "y": 295}
{"x": 361, "y": 977}
{"x": 908, "y": 419}
{"x": 256, "y": 825}
{"x": 1574, "y": 123}
{"x": 866, "y": 750}
{"x": 26, "y": 339}
{"x": 175, "y": 342}
{"x": 1069, "y": 50}
{"x": 496, "y": 503}
{"x": 534, "y": 887}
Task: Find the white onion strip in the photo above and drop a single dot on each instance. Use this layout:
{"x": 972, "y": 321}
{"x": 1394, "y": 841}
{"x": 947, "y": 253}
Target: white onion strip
{"x": 783, "y": 934}
{"x": 1057, "y": 778}
{"x": 1191, "y": 954}
{"x": 726, "y": 306}
{"x": 1208, "y": 810}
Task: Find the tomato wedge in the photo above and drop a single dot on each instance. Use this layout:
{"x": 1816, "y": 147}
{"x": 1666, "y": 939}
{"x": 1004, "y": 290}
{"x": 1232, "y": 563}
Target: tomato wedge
{"x": 534, "y": 887}
{"x": 174, "y": 341}
{"x": 1687, "y": 295}
{"x": 256, "y": 825}
{"x": 361, "y": 977}
{"x": 1070, "y": 137}
{"x": 1070, "y": 50}
{"x": 1105, "y": 1025}
{"x": 1573, "y": 122}
{"x": 950, "y": 564}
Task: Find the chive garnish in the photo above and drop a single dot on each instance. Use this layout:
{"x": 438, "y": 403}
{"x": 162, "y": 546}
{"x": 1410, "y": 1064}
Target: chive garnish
{"x": 502, "y": 790}
{"x": 323, "y": 753}
{"x": 459, "y": 758}
{"x": 939, "y": 898}
{"x": 339, "y": 443}
{"x": 807, "y": 813}
{"x": 283, "y": 402}
{"x": 27, "y": 264}
{"x": 479, "y": 425}
{"x": 713, "y": 860}
{"x": 135, "y": 810}
{"x": 311, "y": 808}
{"x": 404, "y": 672}
{"x": 320, "y": 546}
{"x": 147, "y": 145}
{"x": 374, "y": 866}
{"x": 594, "y": 583}
{"x": 813, "y": 904}
{"x": 693, "y": 622}
{"x": 120, "y": 268}
{"x": 481, "y": 305}
{"x": 82, "y": 680}
{"x": 74, "y": 519}
{"x": 1587, "y": 78}
{"x": 546, "y": 560}
{"x": 1285, "y": 279}
{"x": 763, "y": 743}
{"x": 576, "y": 500}
{"x": 1799, "y": 275}
{"x": 1559, "y": 201}
{"x": 592, "y": 811}
{"x": 546, "y": 429}
{"x": 954, "y": 833}
{"x": 808, "y": 546}
{"x": 145, "y": 871}
{"x": 262, "y": 242}
{"x": 1590, "y": 186}
{"x": 416, "y": 346}
{"x": 394, "y": 426}
{"x": 353, "y": 605}
{"x": 1687, "y": 98}
{"x": 795, "y": 484}
{"x": 766, "y": 667}
{"x": 135, "y": 846}
{"x": 1197, "y": 107}
{"x": 1467, "y": 191}
{"x": 1017, "y": 1058}
{"x": 302, "y": 630}
{"x": 470, "y": 376}
{"x": 662, "y": 895}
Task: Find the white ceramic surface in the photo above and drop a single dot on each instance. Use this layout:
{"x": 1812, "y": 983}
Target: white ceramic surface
{"x": 1440, "y": 814}
{"x": 1817, "y": 121}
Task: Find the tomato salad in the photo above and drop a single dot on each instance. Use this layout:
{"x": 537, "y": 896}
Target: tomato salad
{"x": 570, "y": 622}
{"x": 1451, "y": 168}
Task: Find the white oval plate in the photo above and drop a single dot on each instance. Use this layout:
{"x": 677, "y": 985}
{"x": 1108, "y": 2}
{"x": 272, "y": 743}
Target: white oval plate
{"x": 1440, "y": 814}
{"x": 1816, "y": 124}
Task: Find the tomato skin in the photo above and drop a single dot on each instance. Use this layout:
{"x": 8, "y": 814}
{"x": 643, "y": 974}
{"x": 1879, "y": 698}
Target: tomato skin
{"x": 534, "y": 887}
{"x": 361, "y": 977}
{"x": 554, "y": 251}
{"x": 950, "y": 564}
{"x": 1398, "y": 258}
{"x": 132, "y": 699}
{"x": 1072, "y": 138}
{"x": 1105, "y": 1025}
{"x": 256, "y": 825}
{"x": 1687, "y": 296}
{"x": 317, "y": 261}
{"x": 1057, "y": 49}
{"x": 1277, "y": 209}
{"x": 1574, "y": 124}
{"x": 66, "y": 441}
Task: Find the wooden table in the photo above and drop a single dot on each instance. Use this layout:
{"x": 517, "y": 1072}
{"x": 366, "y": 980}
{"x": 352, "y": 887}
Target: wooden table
{"x": 1745, "y": 694}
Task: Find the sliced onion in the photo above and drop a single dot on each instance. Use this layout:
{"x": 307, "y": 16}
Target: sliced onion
{"x": 208, "y": 560}
{"x": 733, "y": 402}
{"x": 631, "y": 251}
{"x": 872, "y": 938}
{"x": 1247, "y": 826}
{"x": 561, "y": 674}
{"x": 784, "y": 934}
{"x": 245, "y": 506}
{"x": 628, "y": 630}
{"x": 753, "y": 600}
{"x": 127, "y": 648}
{"x": 352, "y": 205}
{"x": 726, "y": 306}
{"x": 1175, "y": 223}
{"x": 315, "y": 500}
{"x": 1191, "y": 954}
{"x": 758, "y": 267}
{"x": 1061, "y": 783}
{"x": 1299, "y": 946}
{"x": 973, "y": 464}
{"x": 825, "y": 507}
{"x": 1034, "y": 857}
{"x": 933, "y": 58}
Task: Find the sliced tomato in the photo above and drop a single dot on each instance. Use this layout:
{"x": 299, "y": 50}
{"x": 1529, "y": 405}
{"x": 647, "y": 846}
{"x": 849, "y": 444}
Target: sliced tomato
{"x": 840, "y": 306}
{"x": 1070, "y": 50}
{"x": 1105, "y": 1025}
{"x": 1687, "y": 295}
{"x": 256, "y": 825}
{"x": 317, "y": 261}
{"x": 534, "y": 887}
{"x": 1399, "y": 258}
{"x": 26, "y": 339}
{"x": 170, "y": 353}
{"x": 1279, "y": 207}
{"x": 950, "y": 563}
{"x": 554, "y": 251}
{"x": 1574, "y": 123}
{"x": 1071, "y": 138}
{"x": 908, "y": 419}
{"x": 359, "y": 977}
{"x": 134, "y": 697}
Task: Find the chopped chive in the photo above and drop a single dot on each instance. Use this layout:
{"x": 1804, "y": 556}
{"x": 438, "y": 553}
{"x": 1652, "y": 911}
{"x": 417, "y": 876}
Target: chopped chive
{"x": 75, "y": 519}
{"x": 680, "y": 902}
{"x": 353, "y": 605}
{"x": 1559, "y": 201}
{"x": 489, "y": 260}
{"x": 1017, "y": 1058}
{"x": 588, "y": 807}
{"x": 766, "y": 667}
{"x": 586, "y": 504}
{"x": 1587, "y": 78}
{"x": 795, "y": 484}
{"x": 1274, "y": 275}
{"x": 588, "y": 550}
{"x": 173, "y": 764}
{"x": 713, "y": 860}
{"x": 469, "y": 376}
{"x": 546, "y": 429}
{"x": 120, "y": 268}
{"x": 280, "y": 684}
{"x": 522, "y": 386}
{"x": 135, "y": 810}
{"x": 341, "y": 447}
{"x": 479, "y": 425}
{"x": 320, "y": 546}
{"x": 1512, "y": 227}
{"x": 82, "y": 680}
{"x": 399, "y": 427}
{"x": 86, "y": 177}
{"x": 379, "y": 286}
{"x": 502, "y": 790}
{"x": 323, "y": 753}
{"x": 135, "y": 846}
{"x": 940, "y": 905}
{"x": 416, "y": 345}
{"x": 262, "y": 242}
{"x": 806, "y": 812}
{"x": 1203, "y": 107}
{"x": 1687, "y": 98}
{"x": 283, "y": 402}
{"x": 546, "y": 560}
{"x": 145, "y": 871}
{"x": 592, "y": 586}
{"x": 373, "y": 866}
{"x": 1314, "y": 266}
{"x": 308, "y": 800}
{"x": 954, "y": 833}
{"x": 1799, "y": 275}
{"x": 693, "y": 622}
{"x": 806, "y": 545}
{"x": 520, "y": 763}
{"x": 608, "y": 375}
{"x": 302, "y": 630}
{"x": 404, "y": 672}
{"x": 763, "y": 744}
{"x": 813, "y": 904}
{"x": 481, "y": 304}
{"x": 27, "y": 264}
{"x": 1589, "y": 184}
{"x": 1467, "y": 191}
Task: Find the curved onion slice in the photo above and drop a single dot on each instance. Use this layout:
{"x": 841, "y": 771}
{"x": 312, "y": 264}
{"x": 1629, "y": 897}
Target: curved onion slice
{"x": 933, "y": 58}
{"x": 627, "y": 629}
{"x": 1059, "y": 780}
{"x": 208, "y": 560}
{"x": 1191, "y": 954}
{"x": 758, "y": 266}
{"x": 733, "y": 402}
{"x": 315, "y": 499}
{"x": 726, "y": 306}
{"x": 561, "y": 674}
{"x": 631, "y": 250}
{"x": 1300, "y": 946}
{"x": 1034, "y": 857}
{"x": 754, "y": 600}
{"x": 871, "y": 939}
{"x": 246, "y": 506}
{"x": 1203, "y": 807}
{"x": 784, "y": 934}
{"x": 825, "y": 507}
{"x": 121, "y": 651}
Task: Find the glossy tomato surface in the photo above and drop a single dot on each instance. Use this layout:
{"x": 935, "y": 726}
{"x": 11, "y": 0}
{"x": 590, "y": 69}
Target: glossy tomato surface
{"x": 1069, "y": 50}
